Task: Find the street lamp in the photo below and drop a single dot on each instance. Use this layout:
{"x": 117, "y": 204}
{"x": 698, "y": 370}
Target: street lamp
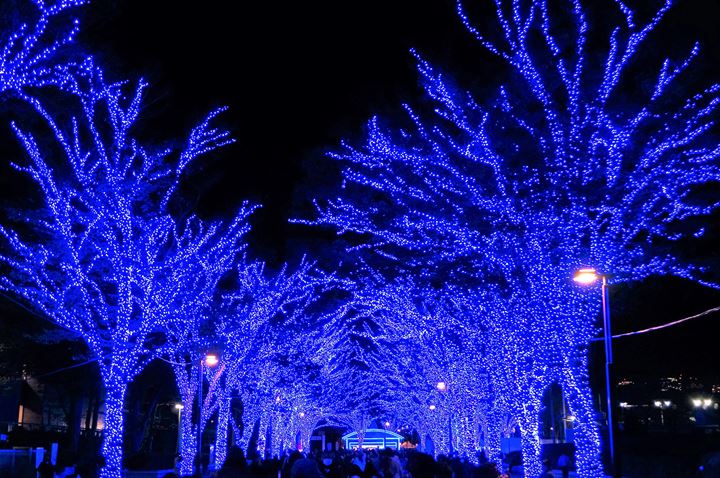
{"x": 662, "y": 405}
{"x": 587, "y": 276}
{"x": 432, "y": 407}
{"x": 210, "y": 360}
{"x": 442, "y": 386}
{"x": 179, "y": 407}
{"x": 702, "y": 402}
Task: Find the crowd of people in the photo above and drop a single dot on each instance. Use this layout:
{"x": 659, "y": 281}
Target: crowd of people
{"x": 372, "y": 463}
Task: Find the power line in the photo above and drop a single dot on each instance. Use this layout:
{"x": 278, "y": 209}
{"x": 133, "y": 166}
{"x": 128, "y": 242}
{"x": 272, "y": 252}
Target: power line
{"x": 669, "y": 324}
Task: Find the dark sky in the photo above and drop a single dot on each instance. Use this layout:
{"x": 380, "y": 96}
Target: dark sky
{"x": 301, "y": 76}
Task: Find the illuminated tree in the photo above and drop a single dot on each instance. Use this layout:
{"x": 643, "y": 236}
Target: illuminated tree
{"x": 433, "y": 363}
{"x": 261, "y": 326}
{"x": 102, "y": 256}
{"x": 572, "y": 163}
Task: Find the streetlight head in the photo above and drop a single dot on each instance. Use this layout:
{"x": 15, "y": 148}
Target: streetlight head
{"x": 387, "y": 424}
{"x": 432, "y": 407}
{"x": 586, "y": 276}
{"x": 179, "y": 406}
{"x": 442, "y": 386}
{"x": 211, "y": 360}
{"x": 301, "y": 414}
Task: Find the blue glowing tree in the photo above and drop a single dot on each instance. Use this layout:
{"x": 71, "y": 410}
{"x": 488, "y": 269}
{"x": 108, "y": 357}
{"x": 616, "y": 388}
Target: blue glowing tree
{"x": 102, "y": 256}
{"x": 263, "y": 326}
{"x": 572, "y": 163}
{"x": 434, "y": 360}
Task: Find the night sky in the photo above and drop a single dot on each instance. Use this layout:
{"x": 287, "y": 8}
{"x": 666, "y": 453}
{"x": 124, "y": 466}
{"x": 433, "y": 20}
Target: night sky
{"x": 301, "y": 76}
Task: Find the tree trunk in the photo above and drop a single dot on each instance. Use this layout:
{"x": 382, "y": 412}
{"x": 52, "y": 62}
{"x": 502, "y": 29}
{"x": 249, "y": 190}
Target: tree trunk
{"x": 492, "y": 435}
{"x": 585, "y": 429}
{"x": 188, "y": 442}
{"x": 262, "y": 435}
{"x": 221, "y": 435}
{"x": 112, "y": 448}
{"x": 530, "y": 441}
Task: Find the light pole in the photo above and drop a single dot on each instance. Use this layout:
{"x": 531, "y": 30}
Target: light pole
{"x": 589, "y": 276}
{"x": 662, "y": 405}
{"x": 210, "y": 360}
{"x": 179, "y": 407}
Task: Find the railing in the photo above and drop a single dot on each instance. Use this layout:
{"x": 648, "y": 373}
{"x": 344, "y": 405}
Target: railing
{"x": 10, "y": 427}
{"x": 18, "y": 463}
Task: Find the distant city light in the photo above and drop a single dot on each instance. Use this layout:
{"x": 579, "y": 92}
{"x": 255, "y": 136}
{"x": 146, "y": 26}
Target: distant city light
{"x": 442, "y": 386}
{"x": 432, "y": 407}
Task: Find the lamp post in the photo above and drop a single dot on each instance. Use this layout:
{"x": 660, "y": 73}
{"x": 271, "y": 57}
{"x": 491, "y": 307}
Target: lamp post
{"x": 179, "y": 407}
{"x": 662, "y": 405}
{"x": 210, "y": 360}
{"x": 589, "y": 276}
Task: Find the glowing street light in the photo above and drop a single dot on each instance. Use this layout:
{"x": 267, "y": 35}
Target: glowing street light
{"x": 301, "y": 414}
{"x": 442, "y": 386}
{"x": 387, "y": 424}
{"x": 432, "y": 407}
{"x": 702, "y": 402}
{"x": 587, "y": 276}
{"x": 211, "y": 360}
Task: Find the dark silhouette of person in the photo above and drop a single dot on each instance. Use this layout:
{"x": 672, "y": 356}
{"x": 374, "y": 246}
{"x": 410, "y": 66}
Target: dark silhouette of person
{"x": 46, "y": 469}
{"x": 235, "y": 465}
{"x": 305, "y": 468}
